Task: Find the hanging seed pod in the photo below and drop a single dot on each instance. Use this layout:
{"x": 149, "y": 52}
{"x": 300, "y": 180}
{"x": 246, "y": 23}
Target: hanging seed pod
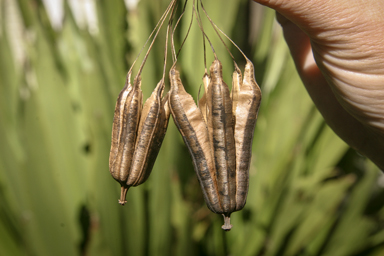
{"x": 246, "y": 97}
{"x": 219, "y": 134}
{"x": 209, "y": 138}
{"x": 152, "y": 128}
{"x": 190, "y": 122}
{"x": 135, "y": 144}
{"x": 221, "y": 120}
{"x": 138, "y": 131}
{"x": 124, "y": 129}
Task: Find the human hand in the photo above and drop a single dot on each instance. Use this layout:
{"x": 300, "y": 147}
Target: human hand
{"x": 338, "y": 49}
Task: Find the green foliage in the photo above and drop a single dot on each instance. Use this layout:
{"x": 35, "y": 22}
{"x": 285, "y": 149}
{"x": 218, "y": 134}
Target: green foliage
{"x": 309, "y": 194}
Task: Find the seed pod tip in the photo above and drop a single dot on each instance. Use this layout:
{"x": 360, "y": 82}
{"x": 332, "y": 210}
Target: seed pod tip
{"x": 227, "y": 223}
{"x": 123, "y": 195}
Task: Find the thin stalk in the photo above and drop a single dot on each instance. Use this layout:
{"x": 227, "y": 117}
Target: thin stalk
{"x": 171, "y": 5}
{"x": 166, "y": 39}
{"x": 217, "y": 29}
{"x": 200, "y": 23}
{"x": 185, "y": 38}
{"x": 153, "y": 31}
{"x": 174, "y": 55}
{"x": 202, "y": 30}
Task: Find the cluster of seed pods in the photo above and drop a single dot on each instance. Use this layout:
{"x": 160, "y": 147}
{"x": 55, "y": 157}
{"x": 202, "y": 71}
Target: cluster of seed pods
{"x": 218, "y": 132}
{"x": 138, "y": 131}
{"x": 137, "y": 134}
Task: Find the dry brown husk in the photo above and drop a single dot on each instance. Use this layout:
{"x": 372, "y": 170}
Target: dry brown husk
{"x": 137, "y": 134}
{"x": 218, "y": 134}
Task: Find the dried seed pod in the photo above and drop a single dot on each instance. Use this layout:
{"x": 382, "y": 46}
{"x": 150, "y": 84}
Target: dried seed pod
{"x": 221, "y": 120}
{"x": 246, "y": 97}
{"x": 152, "y": 128}
{"x": 190, "y": 122}
{"x": 209, "y": 138}
{"x": 219, "y": 134}
{"x": 137, "y": 135}
{"x": 124, "y": 129}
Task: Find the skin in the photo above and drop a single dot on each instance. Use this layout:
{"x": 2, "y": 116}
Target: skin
{"x": 338, "y": 49}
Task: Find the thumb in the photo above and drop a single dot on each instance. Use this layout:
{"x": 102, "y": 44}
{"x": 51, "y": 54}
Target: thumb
{"x": 312, "y": 15}
{"x": 342, "y": 24}
{"x": 345, "y": 37}
{"x": 305, "y": 14}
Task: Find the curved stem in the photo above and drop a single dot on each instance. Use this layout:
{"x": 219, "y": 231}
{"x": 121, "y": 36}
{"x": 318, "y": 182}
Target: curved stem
{"x": 185, "y": 38}
{"x": 174, "y": 56}
{"x": 166, "y": 39}
{"x": 221, "y": 39}
{"x": 200, "y": 23}
{"x": 170, "y": 6}
{"x": 153, "y": 31}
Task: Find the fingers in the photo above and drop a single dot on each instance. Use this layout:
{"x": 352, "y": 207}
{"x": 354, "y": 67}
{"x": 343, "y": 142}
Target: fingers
{"x": 299, "y": 44}
{"x": 319, "y": 90}
{"x": 307, "y": 14}
{"x": 336, "y": 37}
{"x": 329, "y": 20}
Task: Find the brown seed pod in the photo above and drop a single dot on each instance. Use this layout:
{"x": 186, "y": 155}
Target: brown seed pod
{"x": 221, "y": 120}
{"x": 190, "y": 122}
{"x": 125, "y": 124}
{"x": 152, "y": 128}
{"x": 246, "y": 97}
{"x": 137, "y": 135}
{"x": 219, "y": 135}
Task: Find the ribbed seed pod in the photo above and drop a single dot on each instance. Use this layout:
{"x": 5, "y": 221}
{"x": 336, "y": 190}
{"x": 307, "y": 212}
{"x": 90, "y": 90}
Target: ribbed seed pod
{"x": 137, "y": 135}
{"x": 219, "y": 135}
{"x": 190, "y": 122}
{"x": 124, "y": 129}
{"x": 221, "y": 120}
{"x": 246, "y": 97}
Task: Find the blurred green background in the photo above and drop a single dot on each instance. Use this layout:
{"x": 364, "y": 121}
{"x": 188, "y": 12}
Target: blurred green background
{"x": 59, "y": 78}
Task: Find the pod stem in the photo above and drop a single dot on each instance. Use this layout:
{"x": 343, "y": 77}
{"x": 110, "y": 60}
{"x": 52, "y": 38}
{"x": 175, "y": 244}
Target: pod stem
{"x": 200, "y": 23}
{"x": 227, "y": 222}
{"x": 174, "y": 55}
{"x": 170, "y": 7}
{"x": 159, "y": 23}
{"x": 217, "y": 30}
{"x": 123, "y": 195}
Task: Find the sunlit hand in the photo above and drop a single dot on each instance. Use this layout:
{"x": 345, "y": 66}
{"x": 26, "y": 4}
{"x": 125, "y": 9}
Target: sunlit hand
{"x": 338, "y": 49}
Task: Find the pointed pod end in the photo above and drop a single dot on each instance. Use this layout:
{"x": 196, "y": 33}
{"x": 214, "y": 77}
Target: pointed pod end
{"x": 173, "y": 72}
{"x": 137, "y": 81}
{"x": 227, "y": 223}
{"x": 123, "y": 195}
{"x": 249, "y": 69}
{"x": 159, "y": 88}
{"x": 216, "y": 68}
